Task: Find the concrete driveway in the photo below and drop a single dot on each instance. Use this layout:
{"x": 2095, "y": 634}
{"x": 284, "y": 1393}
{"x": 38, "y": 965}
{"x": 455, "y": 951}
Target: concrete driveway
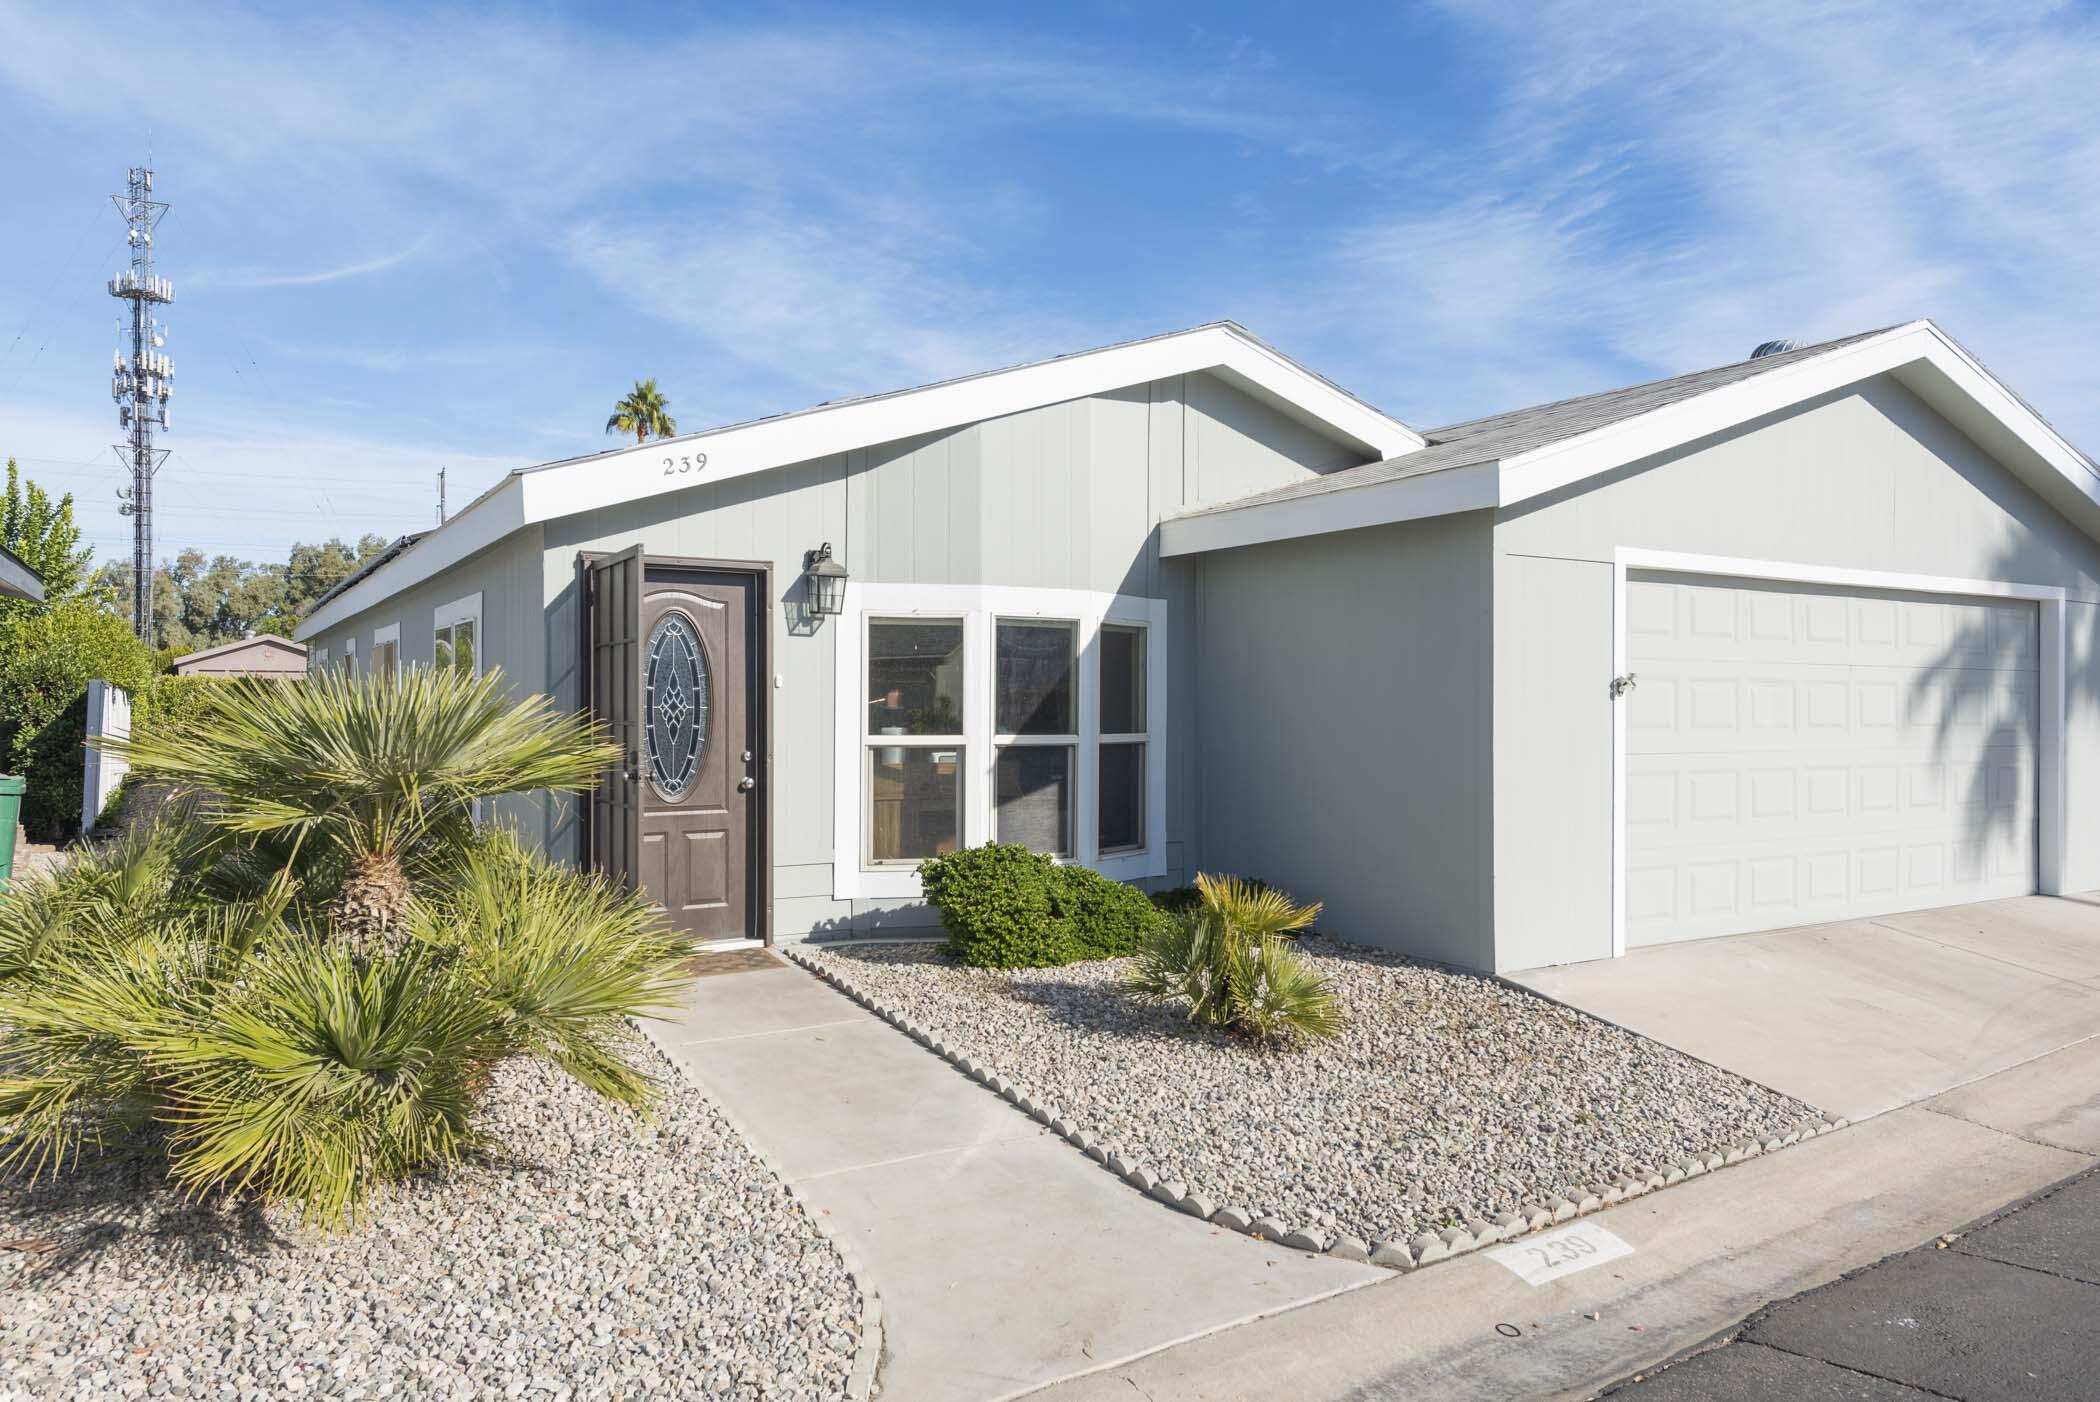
{"x": 1862, "y": 1016}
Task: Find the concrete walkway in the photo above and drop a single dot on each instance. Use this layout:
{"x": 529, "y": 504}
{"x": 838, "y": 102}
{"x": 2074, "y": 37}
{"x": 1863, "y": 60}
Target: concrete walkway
{"x": 1004, "y": 1259}
{"x": 1862, "y": 1016}
{"x": 1705, "y": 1254}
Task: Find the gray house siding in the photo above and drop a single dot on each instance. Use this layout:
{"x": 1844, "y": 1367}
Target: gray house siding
{"x": 1344, "y": 682}
{"x": 1868, "y": 478}
{"x": 1067, "y": 496}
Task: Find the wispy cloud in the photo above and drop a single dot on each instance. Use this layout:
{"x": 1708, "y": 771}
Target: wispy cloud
{"x": 1668, "y": 185}
{"x": 245, "y": 279}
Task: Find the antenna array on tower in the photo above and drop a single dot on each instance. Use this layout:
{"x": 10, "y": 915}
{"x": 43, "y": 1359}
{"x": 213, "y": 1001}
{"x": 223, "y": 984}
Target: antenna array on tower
{"x": 142, "y": 383}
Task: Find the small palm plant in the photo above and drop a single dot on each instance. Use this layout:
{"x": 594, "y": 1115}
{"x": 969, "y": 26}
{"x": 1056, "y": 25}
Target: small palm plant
{"x": 1232, "y": 959}
{"x": 644, "y": 412}
{"x": 357, "y": 775}
{"x": 215, "y": 986}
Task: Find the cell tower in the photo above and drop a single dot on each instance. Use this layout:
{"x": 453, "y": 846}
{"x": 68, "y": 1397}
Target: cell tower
{"x": 141, "y": 384}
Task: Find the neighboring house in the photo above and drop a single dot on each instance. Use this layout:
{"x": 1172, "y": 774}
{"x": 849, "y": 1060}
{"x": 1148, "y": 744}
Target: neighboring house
{"x": 17, "y": 580}
{"x": 1809, "y": 636}
{"x": 263, "y": 655}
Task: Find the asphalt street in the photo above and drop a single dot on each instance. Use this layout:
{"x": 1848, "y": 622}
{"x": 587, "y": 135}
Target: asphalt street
{"x": 2009, "y": 1309}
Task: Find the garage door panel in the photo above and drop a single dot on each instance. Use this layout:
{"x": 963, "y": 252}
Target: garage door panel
{"x": 1803, "y": 754}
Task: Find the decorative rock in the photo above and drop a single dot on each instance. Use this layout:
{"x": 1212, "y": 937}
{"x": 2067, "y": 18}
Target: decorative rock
{"x": 1482, "y": 1231}
{"x": 1350, "y": 1248}
{"x": 1121, "y": 1164}
{"x": 1561, "y": 1208}
{"x": 1536, "y": 1215}
{"x": 1235, "y": 1219}
{"x": 1141, "y": 1179}
{"x": 1271, "y": 1229}
{"x": 1052, "y": 1113}
{"x": 1673, "y": 1174}
{"x": 1198, "y": 1206}
{"x": 1456, "y": 1239}
{"x": 1609, "y": 1193}
{"x": 1588, "y": 1202}
{"x": 1093, "y": 1151}
{"x": 1170, "y": 1193}
{"x": 1065, "y": 1129}
{"x": 1304, "y": 1239}
{"x": 1392, "y": 1254}
{"x": 1428, "y": 1247}
{"x": 1776, "y": 1143}
{"x": 1714, "y": 1161}
{"x": 1507, "y": 1225}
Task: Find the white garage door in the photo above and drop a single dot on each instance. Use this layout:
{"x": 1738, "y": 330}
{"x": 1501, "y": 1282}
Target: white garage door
{"x": 1798, "y": 754}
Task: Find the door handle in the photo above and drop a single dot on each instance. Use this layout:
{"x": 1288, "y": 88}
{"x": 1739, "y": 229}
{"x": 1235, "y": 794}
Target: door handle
{"x": 631, "y": 771}
{"x": 746, "y": 784}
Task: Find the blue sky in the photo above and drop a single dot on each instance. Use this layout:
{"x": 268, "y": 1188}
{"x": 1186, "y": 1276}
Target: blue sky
{"x": 406, "y": 238}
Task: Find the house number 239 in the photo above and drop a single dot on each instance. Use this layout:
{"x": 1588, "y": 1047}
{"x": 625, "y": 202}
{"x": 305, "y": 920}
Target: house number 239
{"x": 691, "y": 462}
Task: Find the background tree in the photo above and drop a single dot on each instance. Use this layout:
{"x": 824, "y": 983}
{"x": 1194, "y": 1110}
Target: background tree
{"x": 201, "y": 601}
{"x": 643, "y": 411}
{"x": 43, "y": 534}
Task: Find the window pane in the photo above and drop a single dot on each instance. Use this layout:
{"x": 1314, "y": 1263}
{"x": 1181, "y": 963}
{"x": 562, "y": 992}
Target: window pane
{"x": 1122, "y": 681}
{"x": 914, "y": 802}
{"x": 463, "y": 646}
{"x": 915, "y": 678}
{"x": 1033, "y": 681}
{"x": 442, "y": 659}
{"x": 1122, "y": 797}
{"x": 1035, "y": 797}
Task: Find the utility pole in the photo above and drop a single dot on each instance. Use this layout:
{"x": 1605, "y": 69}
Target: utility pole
{"x": 441, "y": 496}
{"x": 141, "y": 384}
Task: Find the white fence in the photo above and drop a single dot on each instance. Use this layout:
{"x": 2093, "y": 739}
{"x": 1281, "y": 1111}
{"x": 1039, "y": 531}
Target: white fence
{"x": 109, "y": 717}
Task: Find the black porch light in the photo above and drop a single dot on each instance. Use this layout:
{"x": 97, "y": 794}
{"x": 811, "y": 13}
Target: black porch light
{"x": 827, "y": 580}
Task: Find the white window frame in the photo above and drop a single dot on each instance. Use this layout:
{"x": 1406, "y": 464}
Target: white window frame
{"x": 980, "y": 606}
{"x": 350, "y": 655}
{"x": 467, "y": 610}
{"x": 381, "y": 636}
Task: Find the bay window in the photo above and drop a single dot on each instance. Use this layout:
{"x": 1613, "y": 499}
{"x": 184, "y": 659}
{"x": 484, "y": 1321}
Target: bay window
{"x": 971, "y": 714}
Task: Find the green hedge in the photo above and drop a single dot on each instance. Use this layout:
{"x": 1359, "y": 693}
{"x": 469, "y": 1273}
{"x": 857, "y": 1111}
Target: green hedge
{"x": 1006, "y": 907}
{"x": 47, "y": 658}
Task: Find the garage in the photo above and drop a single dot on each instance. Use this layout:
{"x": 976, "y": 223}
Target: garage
{"x": 1797, "y": 753}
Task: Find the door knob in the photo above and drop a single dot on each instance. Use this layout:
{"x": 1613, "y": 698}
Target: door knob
{"x": 746, "y": 784}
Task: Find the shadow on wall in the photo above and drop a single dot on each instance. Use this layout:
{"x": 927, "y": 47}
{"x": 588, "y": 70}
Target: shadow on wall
{"x": 1984, "y": 723}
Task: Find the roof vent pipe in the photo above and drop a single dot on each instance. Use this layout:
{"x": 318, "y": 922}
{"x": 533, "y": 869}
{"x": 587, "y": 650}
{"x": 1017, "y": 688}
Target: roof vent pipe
{"x": 1766, "y": 348}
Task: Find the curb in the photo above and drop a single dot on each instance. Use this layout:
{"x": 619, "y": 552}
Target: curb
{"x": 1422, "y": 1249}
{"x": 867, "y": 1353}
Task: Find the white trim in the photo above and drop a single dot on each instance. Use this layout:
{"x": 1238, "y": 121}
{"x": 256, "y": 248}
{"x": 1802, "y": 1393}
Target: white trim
{"x": 460, "y": 611}
{"x": 2050, "y": 782}
{"x": 1924, "y": 358}
{"x": 629, "y": 474}
{"x": 979, "y": 606}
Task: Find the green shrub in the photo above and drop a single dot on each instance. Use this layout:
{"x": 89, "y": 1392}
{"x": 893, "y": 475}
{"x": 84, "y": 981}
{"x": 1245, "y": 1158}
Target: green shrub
{"x": 1006, "y": 907}
{"x": 198, "y": 973}
{"x": 47, "y": 659}
{"x": 1231, "y": 959}
{"x": 1106, "y": 918}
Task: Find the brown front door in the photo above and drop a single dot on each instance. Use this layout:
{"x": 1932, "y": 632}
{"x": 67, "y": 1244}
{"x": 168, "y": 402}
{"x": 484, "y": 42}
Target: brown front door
{"x": 699, "y": 767}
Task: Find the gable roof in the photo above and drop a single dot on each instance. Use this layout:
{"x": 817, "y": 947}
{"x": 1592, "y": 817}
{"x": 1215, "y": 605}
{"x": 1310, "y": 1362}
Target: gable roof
{"x": 1508, "y": 458}
{"x": 252, "y": 640}
{"x": 559, "y": 489}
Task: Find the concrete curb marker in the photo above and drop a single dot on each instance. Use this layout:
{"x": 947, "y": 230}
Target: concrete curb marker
{"x": 867, "y": 1350}
{"x": 1422, "y": 1249}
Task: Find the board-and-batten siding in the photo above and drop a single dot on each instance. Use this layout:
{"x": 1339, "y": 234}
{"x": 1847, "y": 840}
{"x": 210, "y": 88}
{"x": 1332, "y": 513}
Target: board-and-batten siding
{"x": 1066, "y": 496}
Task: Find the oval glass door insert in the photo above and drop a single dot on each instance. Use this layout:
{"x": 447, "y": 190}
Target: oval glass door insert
{"x": 676, "y": 705}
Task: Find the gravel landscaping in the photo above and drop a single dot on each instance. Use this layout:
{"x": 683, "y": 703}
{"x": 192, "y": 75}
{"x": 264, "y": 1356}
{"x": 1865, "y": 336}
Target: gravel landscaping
{"x": 1449, "y": 1099}
{"x": 587, "y": 1257}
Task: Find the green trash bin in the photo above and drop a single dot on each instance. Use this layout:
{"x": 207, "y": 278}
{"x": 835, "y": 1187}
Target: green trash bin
{"x": 11, "y": 790}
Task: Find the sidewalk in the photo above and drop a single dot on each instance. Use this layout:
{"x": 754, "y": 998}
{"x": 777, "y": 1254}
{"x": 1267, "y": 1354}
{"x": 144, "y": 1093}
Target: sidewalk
{"x": 2007, "y": 1310}
{"x": 1005, "y": 1261}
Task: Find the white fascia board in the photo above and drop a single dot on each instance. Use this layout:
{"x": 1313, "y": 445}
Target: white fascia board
{"x": 671, "y": 464}
{"x": 607, "y": 479}
{"x": 489, "y": 519}
{"x": 1441, "y": 493}
{"x": 1920, "y": 355}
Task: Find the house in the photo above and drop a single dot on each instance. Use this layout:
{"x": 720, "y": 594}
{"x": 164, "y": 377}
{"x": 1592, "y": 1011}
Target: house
{"x": 1801, "y": 638}
{"x": 262, "y": 655}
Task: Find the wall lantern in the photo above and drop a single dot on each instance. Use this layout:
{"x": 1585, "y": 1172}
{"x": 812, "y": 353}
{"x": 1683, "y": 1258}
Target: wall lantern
{"x": 827, "y": 580}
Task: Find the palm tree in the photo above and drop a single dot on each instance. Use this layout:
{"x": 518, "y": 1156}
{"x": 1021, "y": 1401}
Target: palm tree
{"x": 643, "y": 411}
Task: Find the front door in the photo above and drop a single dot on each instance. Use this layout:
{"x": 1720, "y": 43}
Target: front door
{"x": 670, "y": 653}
